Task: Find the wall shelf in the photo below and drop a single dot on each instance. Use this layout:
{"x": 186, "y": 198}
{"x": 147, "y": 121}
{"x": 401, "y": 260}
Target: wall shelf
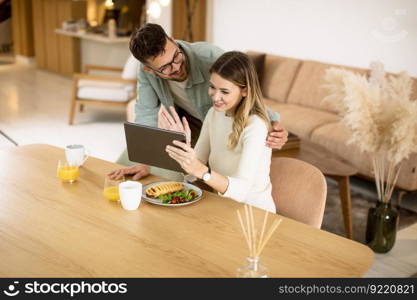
{"x": 93, "y": 37}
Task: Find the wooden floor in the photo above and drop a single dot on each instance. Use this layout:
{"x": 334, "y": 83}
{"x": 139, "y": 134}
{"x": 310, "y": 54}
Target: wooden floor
{"x": 401, "y": 261}
{"x": 34, "y": 107}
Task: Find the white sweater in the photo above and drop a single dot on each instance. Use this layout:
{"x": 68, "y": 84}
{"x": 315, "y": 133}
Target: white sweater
{"x": 246, "y": 166}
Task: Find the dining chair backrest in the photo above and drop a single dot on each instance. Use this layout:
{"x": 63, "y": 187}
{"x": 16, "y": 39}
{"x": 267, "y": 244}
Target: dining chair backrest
{"x": 299, "y": 190}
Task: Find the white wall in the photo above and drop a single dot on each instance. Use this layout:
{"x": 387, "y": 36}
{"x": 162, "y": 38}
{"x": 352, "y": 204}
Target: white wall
{"x": 351, "y": 32}
{"x": 165, "y": 19}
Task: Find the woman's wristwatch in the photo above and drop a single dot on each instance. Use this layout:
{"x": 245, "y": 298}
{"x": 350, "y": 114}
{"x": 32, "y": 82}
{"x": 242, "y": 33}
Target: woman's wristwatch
{"x": 207, "y": 175}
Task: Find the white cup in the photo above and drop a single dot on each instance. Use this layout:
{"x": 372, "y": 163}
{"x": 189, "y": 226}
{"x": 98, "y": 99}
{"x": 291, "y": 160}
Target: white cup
{"x": 130, "y": 193}
{"x": 76, "y": 155}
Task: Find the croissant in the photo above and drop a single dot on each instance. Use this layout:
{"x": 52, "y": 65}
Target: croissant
{"x": 164, "y": 188}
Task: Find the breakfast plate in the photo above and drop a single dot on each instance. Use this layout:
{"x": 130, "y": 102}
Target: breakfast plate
{"x": 186, "y": 196}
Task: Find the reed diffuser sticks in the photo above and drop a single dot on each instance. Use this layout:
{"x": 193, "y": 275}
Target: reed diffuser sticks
{"x": 256, "y": 242}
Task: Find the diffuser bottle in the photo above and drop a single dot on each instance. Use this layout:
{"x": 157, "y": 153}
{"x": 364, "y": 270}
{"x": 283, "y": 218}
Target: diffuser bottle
{"x": 253, "y": 269}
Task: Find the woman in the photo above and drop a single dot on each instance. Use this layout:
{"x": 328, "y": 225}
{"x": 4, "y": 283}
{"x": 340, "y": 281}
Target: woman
{"x": 232, "y": 139}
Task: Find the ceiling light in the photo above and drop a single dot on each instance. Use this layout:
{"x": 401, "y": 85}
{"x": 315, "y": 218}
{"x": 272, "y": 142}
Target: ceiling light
{"x": 154, "y": 10}
{"x": 165, "y": 2}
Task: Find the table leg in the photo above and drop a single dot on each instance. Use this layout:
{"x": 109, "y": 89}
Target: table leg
{"x": 344, "y": 191}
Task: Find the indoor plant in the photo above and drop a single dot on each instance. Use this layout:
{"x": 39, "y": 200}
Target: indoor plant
{"x": 383, "y": 122}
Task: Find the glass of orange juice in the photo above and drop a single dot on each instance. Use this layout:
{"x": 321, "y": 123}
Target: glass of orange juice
{"x": 67, "y": 172}
{"x": 111, "y": 188}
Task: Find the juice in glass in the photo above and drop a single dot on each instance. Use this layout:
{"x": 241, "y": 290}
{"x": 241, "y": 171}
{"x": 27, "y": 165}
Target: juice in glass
{"x": 67, "y": 173}
{"x": 111, "y": 193}
{"x": 111, "y": 188}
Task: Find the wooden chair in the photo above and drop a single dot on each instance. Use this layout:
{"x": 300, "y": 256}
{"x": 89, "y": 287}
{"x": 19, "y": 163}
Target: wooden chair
{"x": 299, "y": 190}
{"x": 90, "y": 89}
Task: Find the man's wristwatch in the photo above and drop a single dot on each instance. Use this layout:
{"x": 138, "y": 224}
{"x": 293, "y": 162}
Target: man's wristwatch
{"x": 207, "y": 175}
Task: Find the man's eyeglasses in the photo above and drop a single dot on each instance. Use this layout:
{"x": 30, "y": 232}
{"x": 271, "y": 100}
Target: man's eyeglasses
{"x": 167, "y": 68}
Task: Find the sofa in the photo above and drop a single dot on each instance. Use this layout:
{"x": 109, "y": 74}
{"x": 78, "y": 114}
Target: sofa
{"x": 293, "y": 87}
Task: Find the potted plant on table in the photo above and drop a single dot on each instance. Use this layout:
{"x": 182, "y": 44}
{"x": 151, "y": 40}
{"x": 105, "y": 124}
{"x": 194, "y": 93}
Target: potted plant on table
{"x": 383, "y": 122}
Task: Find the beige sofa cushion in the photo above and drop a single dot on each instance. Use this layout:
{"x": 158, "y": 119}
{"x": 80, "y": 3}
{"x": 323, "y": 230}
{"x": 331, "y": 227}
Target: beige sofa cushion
{"x": 278, "y": 76}
{"x": 258, "y": 60}
{"x": 301, "y": 120}
{"x": 413, "y": 86}
{"x": 334, "y": 137}
{"x": 307, "y": 89}
{"x": 414, "y": 92}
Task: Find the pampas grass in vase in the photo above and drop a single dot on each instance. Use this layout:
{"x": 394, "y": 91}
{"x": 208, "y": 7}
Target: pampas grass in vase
{"x": 382, "y": 119}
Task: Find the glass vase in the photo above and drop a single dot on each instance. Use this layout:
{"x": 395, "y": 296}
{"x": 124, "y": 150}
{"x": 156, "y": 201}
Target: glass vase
{"x": 381, "y": 227}
{"x": 253, "y": 269}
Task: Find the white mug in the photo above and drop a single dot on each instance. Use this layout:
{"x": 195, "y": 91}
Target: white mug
{"x": 130, "y": 193}
{"x": 76, "y": 155}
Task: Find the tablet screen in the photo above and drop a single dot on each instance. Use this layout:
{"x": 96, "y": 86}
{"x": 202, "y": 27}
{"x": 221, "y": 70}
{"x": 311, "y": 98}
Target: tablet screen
{"x": 146, "y": 145}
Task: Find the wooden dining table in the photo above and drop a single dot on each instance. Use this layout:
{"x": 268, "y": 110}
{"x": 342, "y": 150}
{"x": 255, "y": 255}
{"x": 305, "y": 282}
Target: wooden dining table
{"x": 53, "y": 229}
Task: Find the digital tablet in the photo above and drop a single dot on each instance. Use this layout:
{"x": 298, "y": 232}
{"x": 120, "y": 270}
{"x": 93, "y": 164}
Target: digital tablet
{"x": 146, "y": 145}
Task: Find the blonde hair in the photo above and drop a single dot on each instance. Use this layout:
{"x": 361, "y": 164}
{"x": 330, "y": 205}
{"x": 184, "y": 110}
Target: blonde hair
{"x": 238, "y": 68}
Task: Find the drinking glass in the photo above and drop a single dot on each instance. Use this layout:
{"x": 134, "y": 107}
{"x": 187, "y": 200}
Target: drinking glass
{"x": 67, "y": 172}
{"x": 111, "y": 188}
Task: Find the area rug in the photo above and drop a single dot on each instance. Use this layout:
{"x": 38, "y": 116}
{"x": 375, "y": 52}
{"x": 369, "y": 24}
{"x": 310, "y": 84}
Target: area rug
{"x": 362, "y": 199}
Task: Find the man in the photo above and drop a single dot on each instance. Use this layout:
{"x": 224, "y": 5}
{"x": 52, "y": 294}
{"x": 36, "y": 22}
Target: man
{"x": 176, "y": 73}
